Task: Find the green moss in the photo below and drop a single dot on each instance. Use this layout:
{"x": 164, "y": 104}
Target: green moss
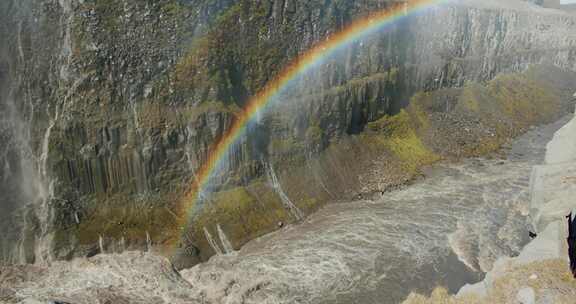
{"x": 469, "y": 99}
{"x": 418, "y": 116}
{"x": 309, "y": 204}
{"x": 392, "y": 126}
{"x": 109, "y": 11}
{"x": 399, "y": 135}
{"x": 243, "y": 213}
{"x": 495, "y": 112}
{"x": 507, "y": 105}
{"x": 80, "y": 36}
{"x": 392, "y": 75}
{"x": 314, "y": 134}
{"x": 400, "y": 145}
{"x": 230, "y": 61}
{"x": 172, "y": 9}
{"x": 523, "y": 100}
{"x": 128, "y": 221}
{"x": 411, "y": 151}
{"x": 230, "y": 15}
{"x": 486, "y": 146}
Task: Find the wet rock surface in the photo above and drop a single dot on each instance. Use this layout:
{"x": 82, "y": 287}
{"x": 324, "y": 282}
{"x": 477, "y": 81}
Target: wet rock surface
{"x": 458, "y": 219}
{"x": 543, "y": 263}
{"x": 416, "y": 238}
{"x": 110, "y": 107}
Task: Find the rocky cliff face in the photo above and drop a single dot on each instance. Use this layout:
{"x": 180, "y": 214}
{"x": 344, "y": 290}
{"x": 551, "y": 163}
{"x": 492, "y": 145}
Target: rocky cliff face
{"x": 110, "y": 107}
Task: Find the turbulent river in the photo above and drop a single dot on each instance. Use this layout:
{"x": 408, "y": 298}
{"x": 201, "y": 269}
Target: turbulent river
{"x": 445, "y": 229}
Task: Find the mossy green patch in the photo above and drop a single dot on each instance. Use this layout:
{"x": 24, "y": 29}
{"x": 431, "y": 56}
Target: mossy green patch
{"x": 244, "y": 213}
{"x": 314, "y": 136}
{"x": 481, "y": 117}
{"x": 227, "y": 67}
{"x": 128, "y": 221}
{"x": 399, "y": 135}
{"x": 411, "y": 151}
{"x": 173, "y": 9}
{"x": 523, "y": 100}
{"x": 109, "y": 11}
{"x": 470, "y": 100}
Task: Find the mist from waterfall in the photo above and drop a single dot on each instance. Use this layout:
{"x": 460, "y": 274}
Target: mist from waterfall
{"x": 26, "y": 124}
{"x": 26, "y": 173}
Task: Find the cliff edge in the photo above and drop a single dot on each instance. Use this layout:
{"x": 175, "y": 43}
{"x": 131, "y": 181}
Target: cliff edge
{"x": 552, "y": 191}
{"x": 540, "y": 274}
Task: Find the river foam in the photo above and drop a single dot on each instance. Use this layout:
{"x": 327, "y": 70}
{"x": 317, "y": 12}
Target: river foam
{"x": 445, "y": 229}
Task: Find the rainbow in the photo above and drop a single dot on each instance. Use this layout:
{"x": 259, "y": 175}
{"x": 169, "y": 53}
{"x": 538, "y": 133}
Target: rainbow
{"x": 351, "y": 33}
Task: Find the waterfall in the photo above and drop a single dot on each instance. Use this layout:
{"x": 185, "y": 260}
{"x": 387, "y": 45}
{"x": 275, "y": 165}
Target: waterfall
{"x": 19, "y": 252}
{"x": 43, "y": 210}
{"x": 66, "y": 49}
{"x": 148, "y": 242}
{"x": 212, "y": 243}
{"x": 33, "y": 189}
{"x": 122, "y": 245}
{"x": 316, "y": 175}
{"x": 189, "y": 160}
{"x": 136, "y": 119}
{"x": 226, "y": 245}
{"x": 259, "y": 117}
{"x": 101, "y": 244}
{"x": 275, "y": 184}
{"x": 20, "y": 48}
{"x": 45, "y": 188}
{"x": 7, "y": 169}
{"x": 27, "y": 176}
{"x": 42, "y": 207}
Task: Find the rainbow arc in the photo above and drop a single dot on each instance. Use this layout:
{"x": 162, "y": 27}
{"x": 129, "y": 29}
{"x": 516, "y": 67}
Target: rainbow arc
{"x": 316, "y": 55}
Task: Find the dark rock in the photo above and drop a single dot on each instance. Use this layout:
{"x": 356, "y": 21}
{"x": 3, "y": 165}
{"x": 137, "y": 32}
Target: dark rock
{"x": 128, "y": 101}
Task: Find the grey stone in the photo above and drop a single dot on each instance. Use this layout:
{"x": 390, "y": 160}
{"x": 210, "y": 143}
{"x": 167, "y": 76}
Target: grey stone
{"x": 526, "y": 295}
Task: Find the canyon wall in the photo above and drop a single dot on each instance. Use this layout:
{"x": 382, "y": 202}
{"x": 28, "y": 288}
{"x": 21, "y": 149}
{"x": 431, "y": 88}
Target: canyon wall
{"x": 109, "y": 108}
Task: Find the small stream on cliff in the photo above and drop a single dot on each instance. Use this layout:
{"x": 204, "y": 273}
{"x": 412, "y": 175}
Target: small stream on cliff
{"x": 445, "y": 229}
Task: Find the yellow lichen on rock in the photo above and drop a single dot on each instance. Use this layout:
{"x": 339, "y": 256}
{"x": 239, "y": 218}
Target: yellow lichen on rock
{"x": 549, "y": 278}
{"x": 243, "y": 214}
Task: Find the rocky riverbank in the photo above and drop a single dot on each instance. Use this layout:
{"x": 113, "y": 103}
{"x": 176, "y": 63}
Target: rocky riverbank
{"x": 540, "y": 273}
{"x": 445, "y": 229}
{"x": 108, "y": 109}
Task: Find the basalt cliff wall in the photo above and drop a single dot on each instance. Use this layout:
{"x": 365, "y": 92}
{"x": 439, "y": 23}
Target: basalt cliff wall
{"x": 109, "y": 108}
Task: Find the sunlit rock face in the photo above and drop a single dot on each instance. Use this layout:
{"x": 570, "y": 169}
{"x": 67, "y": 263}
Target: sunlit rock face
{"x": 460, "y": 218}
{"x": 553, "y": 182}
{"x": 562, "y": 149}
{"x": 110, "y": 108}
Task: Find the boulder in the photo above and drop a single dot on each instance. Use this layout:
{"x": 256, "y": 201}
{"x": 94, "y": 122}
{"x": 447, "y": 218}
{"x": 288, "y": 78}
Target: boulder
{"x": 526, "y": 295}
